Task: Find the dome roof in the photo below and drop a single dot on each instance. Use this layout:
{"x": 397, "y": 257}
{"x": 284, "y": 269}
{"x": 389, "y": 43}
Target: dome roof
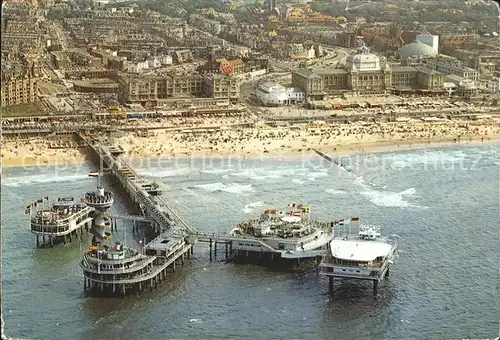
{"x": 416, "y": 49}
{"x": 363, "y": 60}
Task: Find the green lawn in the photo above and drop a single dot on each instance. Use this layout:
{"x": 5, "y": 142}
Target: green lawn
{"x": 28, "y": 109}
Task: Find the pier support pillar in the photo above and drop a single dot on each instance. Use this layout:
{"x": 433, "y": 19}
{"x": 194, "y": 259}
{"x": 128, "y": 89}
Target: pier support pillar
{"x": 182, "y": 259}
{"x": 227, "y": 250}
{"x": 173, "y": 265}
{"x": 192, "y": 250}
{"x": 51, "y": 241}
{"x": 387, "y": 273}
{"x": 215, "y": 250}
{"x": 330, "y": 284}
{"x": 65, "y": 239}
{"x": 210, "y": 249}
{"x": 375, "y": 287}
{"x": 37, "y": 241}
{"x": 84, "y": 284}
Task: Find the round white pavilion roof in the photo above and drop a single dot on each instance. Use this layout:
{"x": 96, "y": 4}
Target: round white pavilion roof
{"x": 416, "y": 49}
{"x": 365, "y": 251}
{"x": 291, "y": 219}
{"x": 363, "y": 60}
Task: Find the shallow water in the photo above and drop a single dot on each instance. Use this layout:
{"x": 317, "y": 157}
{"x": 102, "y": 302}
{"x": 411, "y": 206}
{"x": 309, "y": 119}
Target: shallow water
{"x": 442, "y": 203}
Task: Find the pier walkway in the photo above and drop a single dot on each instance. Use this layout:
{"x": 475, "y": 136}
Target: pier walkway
{"x": 162, "y": 215}
{"x": 175, "y": 240}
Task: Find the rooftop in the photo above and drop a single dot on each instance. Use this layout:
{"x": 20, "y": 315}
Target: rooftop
{"x": 359, "y": 250}
{"x": 416, "y": 48}
{"x": 305, "y": 73}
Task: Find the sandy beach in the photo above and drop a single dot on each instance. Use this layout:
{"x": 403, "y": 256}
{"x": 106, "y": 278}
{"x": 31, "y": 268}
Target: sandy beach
{"x": 266, "y": 140}
{"x": 37, "y": 152}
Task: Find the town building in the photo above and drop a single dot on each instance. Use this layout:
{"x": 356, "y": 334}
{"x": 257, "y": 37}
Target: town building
{"x": 430, "y": 40}
{"x": 452, "y": 66}
{"x": 19, "y": 82}
{"x": 152, "y": 90}
{"x": 416, "y": 49}
{"x": 274, "y": 94}
{"x": 367, "y": 73}
{"x": 19, "y": 90}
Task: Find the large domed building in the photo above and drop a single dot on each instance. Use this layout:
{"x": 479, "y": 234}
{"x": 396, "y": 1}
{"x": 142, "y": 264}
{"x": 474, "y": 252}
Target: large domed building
{"x": 366, "y": 72}
{"x": 416, "y": 49}
{"x": 363, "y": 60}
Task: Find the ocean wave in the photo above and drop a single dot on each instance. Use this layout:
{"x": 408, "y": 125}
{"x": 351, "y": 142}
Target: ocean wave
{"x": 335, "y": 191}
{"x": 162, "y": 172}
{"x": 216, "y": 171}
{"x": 390, "y": 199}
{"x": 42, "y": 178}
{"x": 266, "y": 173}
{"x": 248, "y": 209}
{"x": 317, "y": 174}
{"x": 428, "y": 157}
{"x": 234, "y": 188}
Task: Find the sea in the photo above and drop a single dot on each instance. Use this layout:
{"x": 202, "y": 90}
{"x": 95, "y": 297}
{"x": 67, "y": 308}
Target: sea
{"x": 442, "y": 204}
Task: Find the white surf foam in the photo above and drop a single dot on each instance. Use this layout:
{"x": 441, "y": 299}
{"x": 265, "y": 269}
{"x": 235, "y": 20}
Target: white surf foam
{"x": 248, "y": 209}
{"x": 215, "y": 171}
{"x": 43, "y": 178}
{"x": 162, "y": 172}
{"x": 234, "y": 188}
{"x": 428, "y": 157}
{"x": 390, "y": 199}
{"x": 297, "y": 181}
{"x": 265, "y": 173}
{"x": 399, "y": 165}
{"x": 335, "y": 191}
{"x": 317, "y": 174}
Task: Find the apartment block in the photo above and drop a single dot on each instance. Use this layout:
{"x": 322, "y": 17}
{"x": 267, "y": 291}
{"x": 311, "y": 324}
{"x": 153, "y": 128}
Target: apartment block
{"x": 154, "y": 89}
{"x": 19, "y": 91}
{"x": 452, "y": 66}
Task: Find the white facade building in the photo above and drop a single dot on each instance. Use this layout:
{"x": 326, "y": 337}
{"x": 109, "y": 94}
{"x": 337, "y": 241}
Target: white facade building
{"x": 453, "y": 67}
{"x": 431, "y": 40}
{"x": 274, "y": 94}
{"x": 490, "y": 85}
{"x": 149, "y": 64}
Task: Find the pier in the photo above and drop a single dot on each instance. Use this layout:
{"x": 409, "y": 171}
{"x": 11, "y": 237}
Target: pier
{"x": 365, "y": 256}
{"x": 115, "y": 269}
{"x": 61, "y": 222}
{"x": 123, "y": 270}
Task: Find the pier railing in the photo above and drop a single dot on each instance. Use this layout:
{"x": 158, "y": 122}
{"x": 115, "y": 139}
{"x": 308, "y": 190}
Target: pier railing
{"x": 156, "y": 207}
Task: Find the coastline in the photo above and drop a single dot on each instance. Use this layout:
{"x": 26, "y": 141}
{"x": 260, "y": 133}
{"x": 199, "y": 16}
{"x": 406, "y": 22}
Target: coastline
{"x": 70, "y": 156}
